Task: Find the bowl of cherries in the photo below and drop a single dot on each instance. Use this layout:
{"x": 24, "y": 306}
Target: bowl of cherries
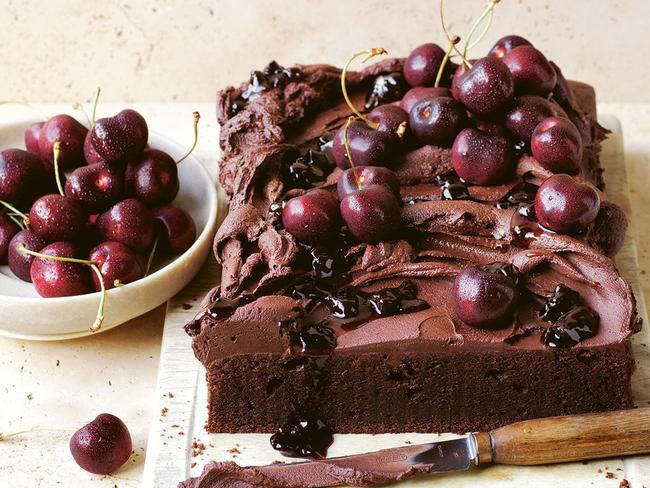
{"x": 99, "y": 223}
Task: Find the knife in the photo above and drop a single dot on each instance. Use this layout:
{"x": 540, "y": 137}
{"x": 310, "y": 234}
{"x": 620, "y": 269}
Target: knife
{"x": 531, "y": 442}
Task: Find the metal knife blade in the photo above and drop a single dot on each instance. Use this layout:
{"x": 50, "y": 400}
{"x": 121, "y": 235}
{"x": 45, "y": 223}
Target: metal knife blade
{"x": 372, "y": 468}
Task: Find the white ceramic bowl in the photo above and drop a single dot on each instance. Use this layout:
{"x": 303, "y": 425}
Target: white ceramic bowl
{"x": 23, "y": 314}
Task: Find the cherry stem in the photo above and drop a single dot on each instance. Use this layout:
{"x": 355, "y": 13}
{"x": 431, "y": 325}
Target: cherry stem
{"x": 346, "y": 145}
{"x": 151, "y": 256}
{"x": 16, "y": 211}
{"x": 449, "y": 37}
{"x": 20, "y": 224}
{"x": 487, "y": 12}
{"x": 197, "y": 116}
{"x": 454, "y": 40}
{"x": 370, "y": 53}
{"x": 99, "y": 319}
{"x": 80, "y": 107}
{"x": 99, "y": 90}
{"x": 25, "y": 104}
{"x": 56, "y": 149}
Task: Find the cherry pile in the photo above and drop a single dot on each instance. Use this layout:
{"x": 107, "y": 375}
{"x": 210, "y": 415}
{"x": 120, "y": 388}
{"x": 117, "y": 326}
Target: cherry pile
{"x": 100, "y": 226}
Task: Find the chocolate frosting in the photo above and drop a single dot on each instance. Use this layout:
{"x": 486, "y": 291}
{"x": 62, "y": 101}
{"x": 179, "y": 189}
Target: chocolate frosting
{"x": 439, "y": 238}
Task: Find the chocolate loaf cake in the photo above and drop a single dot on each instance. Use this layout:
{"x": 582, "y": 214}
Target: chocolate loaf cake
{"x": 369, "y": 337}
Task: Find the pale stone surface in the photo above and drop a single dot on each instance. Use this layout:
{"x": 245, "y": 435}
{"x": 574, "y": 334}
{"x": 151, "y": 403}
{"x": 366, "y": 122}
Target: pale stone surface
{"x": 60, "y": 50}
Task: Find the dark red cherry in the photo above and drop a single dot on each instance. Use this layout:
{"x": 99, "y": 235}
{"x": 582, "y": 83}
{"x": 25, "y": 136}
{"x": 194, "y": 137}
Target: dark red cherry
{"x": 421, "y": 66}
{"x": 122, "y": 136}
{"x": 437, "y": 120}
{"x": 491, "y": 125}
{"x": 486, "y": 87}
{"x": 372, "y": 214}
{"x": 70, "y": 133}
{"x": 176, "y": 229}
{"x": 90, "y": 155}
{"x": 390, "y": 118}
{"x": 103, "y": 445}
{"x": 481, "y": 158}
{"x": 484, "y": 298}
{"x": 557, "y": 145}
{"x": 32, "y": 135}
{"x": 414, "y": 95}
{"x": 351, "y": 179}
{"x": 117, "y": 263}
{"x": 531, "y": 71}
{"x": 525, "y": 114}
{"x": 96, "y": 187}
{"x": 57, "y": 218}
{"x": 458, "y": 74}
{"x": 53, "y": 278}
{"x": 565, "y": 205}
{"x": 312, "y": 218}
{"x": 506, "y": 44}
{"x": 20, "y": 263}
{"x": 368, "y": 147}
{"x": 8, "y": 229}
{"x": 153, "y": 178}
{"x": 129, "y": 222}
{"x": 22, "y": 177}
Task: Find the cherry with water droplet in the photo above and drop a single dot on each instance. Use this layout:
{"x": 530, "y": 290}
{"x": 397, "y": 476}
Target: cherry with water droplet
{"x": 96, "y": 187}
{"x": 487, "y": 87}
{"x": 353, "y": 179}
{"x": 437, "y": 120}
{"x": 117, "y": 263}
{"x": 122, "y": 136}
{"x": 57, "y": 218}
{"x": 70, "y": 133}
{"x": 20, "y": 263}
{"x": 557, "y": 145}
{"x": 176, "y": 229}
{"x": 53, "y": 278}
{"x": 129, "y": 222}
{"x": 525, "y": 114}
{"x": 313, "y": 217}
{"x": 531, "y": 71}
{"x": 506, "y": 44}
{"x": 103, "y": 445}
{"x": 372, "y": 213}
{"x": 481, "y": 158}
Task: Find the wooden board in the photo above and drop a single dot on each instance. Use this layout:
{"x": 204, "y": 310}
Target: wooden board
{"x": 181, "y": 397}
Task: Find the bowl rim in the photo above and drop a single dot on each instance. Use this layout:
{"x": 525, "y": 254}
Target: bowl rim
{"x": 178, "y": 261}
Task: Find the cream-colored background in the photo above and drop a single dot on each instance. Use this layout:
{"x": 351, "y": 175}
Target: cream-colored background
{"x": 179, "y": 50}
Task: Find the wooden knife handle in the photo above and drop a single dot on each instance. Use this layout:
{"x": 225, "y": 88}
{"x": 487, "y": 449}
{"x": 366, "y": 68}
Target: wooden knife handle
{"x": 572, "y": 438}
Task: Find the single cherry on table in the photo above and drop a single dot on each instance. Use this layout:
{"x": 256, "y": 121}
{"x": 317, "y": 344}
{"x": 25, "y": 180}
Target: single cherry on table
{"x": 103, "y": 445}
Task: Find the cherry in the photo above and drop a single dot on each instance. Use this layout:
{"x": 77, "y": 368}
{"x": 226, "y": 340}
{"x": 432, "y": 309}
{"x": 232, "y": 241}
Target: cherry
{"x": 525, "y": 114}
{"x": 368, "y": 147}
{"x": 557, "y": 145}
{"x": 458, "y": 74}
{"x": 22, "y": 177}
{"x": 484, "y": 298}
{"x": 69, "y": 133}
{"x": 486, "y": 87}
{"x": 371, "y": 213}
{"x": 117, "y": 263}
{"x": 153, "y": 178}
{"x": 422, "y": 64}
{"x": 103, "y": 445}
{"x": 414, "y": 95}
{"x": 437, "y": 120}
{"x": 389, "y": 118}
{"x": 481, "y": 158}
{"x": 531, "y": 71}
{"x": 506, "y": 44}
{"x": 20, "y": 263}
{"x": 8, "y": 230}
{"x": 351, "y": 179}
{"x": 313, "y": 217}
{"x": 122, "y": 136}
{"x": 57, "y": 218}
{"x": 90, "y": 155}
{"x": 175, "y": 227}
{"x": 565, "y": 205}
{"x": 129, "y": 222}
{"x": 32, "y": 135}
{"x": 54, "y": 278}
{"x": 96, "y": 187}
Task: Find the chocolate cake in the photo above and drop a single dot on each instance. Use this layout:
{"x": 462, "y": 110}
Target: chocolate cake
{"x": 370, "y": 337}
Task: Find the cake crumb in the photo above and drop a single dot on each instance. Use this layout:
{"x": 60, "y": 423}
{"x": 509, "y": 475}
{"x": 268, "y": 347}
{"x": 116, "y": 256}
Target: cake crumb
{"x": 277, "y": 462}
{"x": 164, "y": 411}
{"x": 599, "y": 470}
{"x": 624, "y": 484}
{"x": 609, "y": 475}
{"x": 234, "y": 450}
{"x": 30, "y": 396}
{"x": 186, "y": 306}
{"x": 193, "y": 465}
{"x": 197, "y": 448}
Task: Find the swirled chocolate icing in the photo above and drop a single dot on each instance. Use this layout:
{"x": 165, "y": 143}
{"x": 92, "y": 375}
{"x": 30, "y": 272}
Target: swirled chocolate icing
{"x": 445, "y": 227}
